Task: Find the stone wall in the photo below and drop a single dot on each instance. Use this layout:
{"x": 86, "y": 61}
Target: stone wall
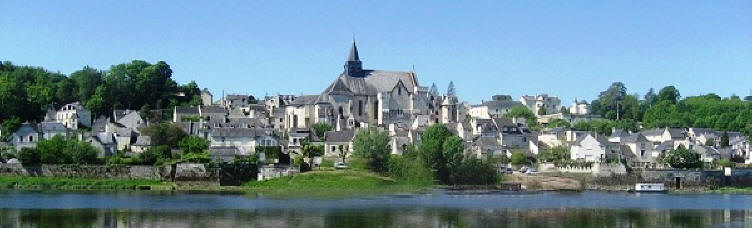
{"x": 596, "y": 169}
{"x": 182, "y": 173}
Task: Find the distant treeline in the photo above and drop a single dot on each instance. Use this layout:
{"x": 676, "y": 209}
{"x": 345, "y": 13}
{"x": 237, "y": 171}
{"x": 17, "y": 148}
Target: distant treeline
{"x": 668, "y": 109}
{"x": 26, "y": 92}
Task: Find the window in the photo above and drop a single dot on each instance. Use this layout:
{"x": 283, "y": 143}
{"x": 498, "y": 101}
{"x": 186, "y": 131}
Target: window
{"x": 399, "y": 90}
{"x": 360, "y": 107}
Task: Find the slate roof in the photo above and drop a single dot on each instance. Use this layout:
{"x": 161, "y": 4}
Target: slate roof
{"x": 374, "y": 82}
{"x": 213, "y": 109}
{"x": 601, "y": 139}
{"x": 619, "y": 133}
{"x": 339, "y": 136}
{"x": 499, "y": 104}
{"x": 636, "y": 137}
{"x": 26, "y": 129}
{"x": 304, "y": 100}
{"x": 186, "y": 110}
{"x": 241, "y": 132}
{"x": 52, "y": 127}
{"x": 667, "y": 145}
{"x": 143, "y": 141}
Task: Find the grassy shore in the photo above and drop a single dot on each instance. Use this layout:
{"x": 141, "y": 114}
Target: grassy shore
{"x": 56, "y": 183}
{"x": 324, "y": 184}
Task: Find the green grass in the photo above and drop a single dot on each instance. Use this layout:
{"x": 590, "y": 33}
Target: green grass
{"x": 330, "y": 184}
{"x": 56, "y": 183}
{"x": 732, "y": 190}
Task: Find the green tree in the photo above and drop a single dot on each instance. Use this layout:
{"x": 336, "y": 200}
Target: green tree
{"x": 321, "y": 128}
{"x": 372, "y": 145}
{"x": 682, "y": 158}
{"x": 81, "y": 152}
{"x": 559, "y": 123}
{"x": 86, "y": 82}
{"x": 541, "y": 111}
{"x": 725, "y": 139}
{"x": 53, "y": 151}
{"x": 9, "y": 126}
{"x": 168, "y": 134}
{"x": 669, "y": 93}
{"x": 29, "y": 156}
{"x": 194, "y": 145}
{"x": 519, "y": 158}
{"x": 523, "y": 112}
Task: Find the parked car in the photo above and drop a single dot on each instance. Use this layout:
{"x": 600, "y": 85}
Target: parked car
{"x": 531, "y": 172}
{"x": 340, "y": 165}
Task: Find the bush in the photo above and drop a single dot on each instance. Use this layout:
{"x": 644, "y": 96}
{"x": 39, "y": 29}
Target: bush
{"x": 682, "y": 158}
{"x": 29, "y": 156}
{"x": 197, "y": 157}
{"x": 407, "y": 170}
{"x": 519, "y": 158}
{"x": 372, "y": 145}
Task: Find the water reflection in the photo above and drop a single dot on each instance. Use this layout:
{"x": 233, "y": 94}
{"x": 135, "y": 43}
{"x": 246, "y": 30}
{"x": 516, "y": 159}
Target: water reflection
{"x": 374, "y": 217}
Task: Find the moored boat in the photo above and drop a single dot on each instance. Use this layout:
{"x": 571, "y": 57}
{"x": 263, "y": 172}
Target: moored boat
{"x": 650, "y": 187}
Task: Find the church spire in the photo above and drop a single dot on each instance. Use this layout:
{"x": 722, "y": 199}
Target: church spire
{"x": 353, "y": 53}
{"x": 353, "y": 66}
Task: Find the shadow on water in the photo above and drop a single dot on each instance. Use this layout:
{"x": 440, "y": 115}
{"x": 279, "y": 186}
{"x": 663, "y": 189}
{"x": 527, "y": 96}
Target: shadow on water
{"x": 438, "y": 209}
{"x": 372, "y": 217}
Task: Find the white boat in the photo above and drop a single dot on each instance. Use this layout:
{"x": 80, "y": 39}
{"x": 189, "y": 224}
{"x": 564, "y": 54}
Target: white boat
{"x": 650, "y": 187}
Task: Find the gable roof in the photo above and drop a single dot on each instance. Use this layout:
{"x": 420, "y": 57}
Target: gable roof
{"x": 186, "y": 110}
{"x": 339, "y": 136}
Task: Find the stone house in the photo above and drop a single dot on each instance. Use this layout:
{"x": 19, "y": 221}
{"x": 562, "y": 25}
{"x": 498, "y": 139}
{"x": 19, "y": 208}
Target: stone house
{"x": 593, "y": 148}
{"x": 338, "y": 141}
{"x": 26, "y": 135}
{"x": 551, "y": 104}
{"x": 74, "y": 115}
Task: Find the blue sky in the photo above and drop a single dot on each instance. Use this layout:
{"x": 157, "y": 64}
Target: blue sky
{"x": 565, "y": 48}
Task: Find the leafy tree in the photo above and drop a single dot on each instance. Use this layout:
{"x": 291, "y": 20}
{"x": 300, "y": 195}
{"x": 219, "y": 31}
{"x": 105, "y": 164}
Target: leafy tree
{"x": 669, "y": 93}
{"x": 519, "y": 158}
{"x": 81, "y": 152}
{"x": 29, "y": 156}
{"x": 10, "y": 125}
{"x": 650, "y": 97}
{"x": 53, "y": 151}
{"x": 555, "y": 154}
{"x": 524, "y": 112}
{"x": 343, "y": 153}
{"x": 559, "y": 123}
{"x": 321, "y": 128}
{"x": 168, "y": 134}
{"x": 725, "y": 139}
{"x": 541, "y": 111}
{"x": 608, "y": 100}
{"x": 372, "y": 145}
{"x": 86, "y": 82}
{"x": 194, "y": 145}
{"x": 682, "y": 158}
{"x": 564, "y": 110}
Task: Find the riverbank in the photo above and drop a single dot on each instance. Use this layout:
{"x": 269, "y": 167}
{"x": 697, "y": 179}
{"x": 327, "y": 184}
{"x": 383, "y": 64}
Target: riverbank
{"x": 57, "y": 183}
{"x": 317, "y": 184}
{"x": 332, "y": 184}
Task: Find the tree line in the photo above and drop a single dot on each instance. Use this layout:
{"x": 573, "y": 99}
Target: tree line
{"x": 26, "y": 92}
{"x": 667, "y": 108}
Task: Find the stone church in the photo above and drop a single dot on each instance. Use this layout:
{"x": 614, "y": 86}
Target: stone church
{"x": 362, "y": 98}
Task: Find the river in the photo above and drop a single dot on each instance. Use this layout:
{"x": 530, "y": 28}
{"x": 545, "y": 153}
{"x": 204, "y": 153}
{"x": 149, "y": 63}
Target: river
{"x": 437, "y": 208}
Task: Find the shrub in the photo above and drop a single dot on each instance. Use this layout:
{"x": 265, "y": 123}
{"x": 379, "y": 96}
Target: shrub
{"x": 519, "y": 158}
{"x": 372, "y": 145}
{"x": 29, "y": 156}
{"x": 408, "y": 170}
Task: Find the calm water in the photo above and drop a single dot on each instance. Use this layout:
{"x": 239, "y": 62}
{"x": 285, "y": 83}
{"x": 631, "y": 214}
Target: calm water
{"x": 439, "y": 208}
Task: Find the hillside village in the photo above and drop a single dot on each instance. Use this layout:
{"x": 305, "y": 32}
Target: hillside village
{"x": 394, "y": 102}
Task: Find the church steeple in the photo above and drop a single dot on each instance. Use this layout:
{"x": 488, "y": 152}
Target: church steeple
{"x": 353, "y": 66}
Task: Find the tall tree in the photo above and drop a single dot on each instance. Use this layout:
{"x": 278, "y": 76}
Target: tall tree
{"x": 669, "y": 93}
{"x": 86, "y": 82}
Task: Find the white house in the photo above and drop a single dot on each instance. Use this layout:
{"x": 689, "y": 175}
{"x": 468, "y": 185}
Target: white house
{"x": 551, "y": 104}
{"x": 74, "y": 114}
{"x": 338, "y": 141}
{"x": 25, "y": 136}
{"x": 591, "y": 148}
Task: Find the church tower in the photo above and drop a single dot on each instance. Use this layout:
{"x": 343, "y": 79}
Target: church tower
{"x": 353, "y": 66}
